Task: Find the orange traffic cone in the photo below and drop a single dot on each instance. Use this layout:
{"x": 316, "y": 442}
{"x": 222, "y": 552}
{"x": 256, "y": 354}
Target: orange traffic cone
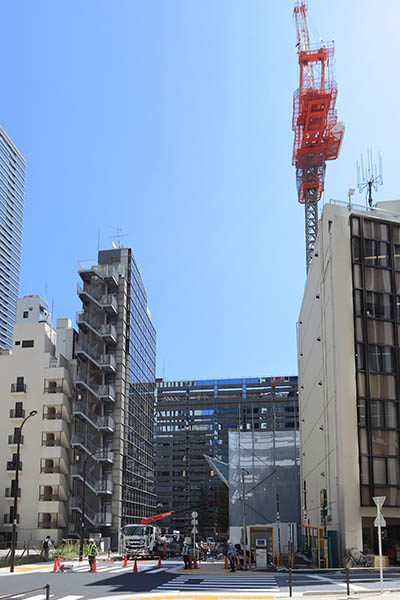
{"x": 195, "y": 563}
{"x": 126, "y": 561}
{"x": 59, "y": 560}
{"x": 226, "y": 563}
{"x": 239, "y": 565}
{"x": 94, "y": 566}
{"x": 159, "y": 562}
{"x": 55, "y": 568}
{"x": 135, "y": 566}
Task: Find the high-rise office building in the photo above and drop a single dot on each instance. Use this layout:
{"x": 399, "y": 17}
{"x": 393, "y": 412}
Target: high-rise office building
{"x": 114, "y": 406}
{"x": 12, "y": 179}
{"x": 349, "y": 375}
{"x": 193, "y": 419}
{"x": 36, "y": 377}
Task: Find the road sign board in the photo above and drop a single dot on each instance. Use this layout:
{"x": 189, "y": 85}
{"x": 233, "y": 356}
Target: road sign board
{"x": 194, "y": 521}
{"x": 380, "y": 521}
{"x": 194, "y": 530}
{"x": 379, "y": 501}
{"x": 194, "y": 515}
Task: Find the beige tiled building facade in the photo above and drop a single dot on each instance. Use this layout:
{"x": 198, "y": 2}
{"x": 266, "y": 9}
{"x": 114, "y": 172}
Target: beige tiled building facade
{"x": 349, "y": 377}
{"x": 36, "y": 377}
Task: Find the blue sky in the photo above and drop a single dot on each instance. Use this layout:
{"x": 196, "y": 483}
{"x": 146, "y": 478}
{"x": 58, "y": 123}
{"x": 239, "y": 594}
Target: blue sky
{"x": 171, "y": 119}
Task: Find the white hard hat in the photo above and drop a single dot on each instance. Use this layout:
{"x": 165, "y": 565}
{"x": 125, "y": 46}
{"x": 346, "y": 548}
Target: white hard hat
{"x": 91, "y": 540}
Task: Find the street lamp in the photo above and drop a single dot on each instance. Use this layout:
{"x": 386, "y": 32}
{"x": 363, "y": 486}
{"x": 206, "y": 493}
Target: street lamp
{"x": 14, "y": 527}
{"x": 84, "y": 498}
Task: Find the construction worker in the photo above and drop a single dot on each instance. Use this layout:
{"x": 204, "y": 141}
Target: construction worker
{"x": 91, "y": 552}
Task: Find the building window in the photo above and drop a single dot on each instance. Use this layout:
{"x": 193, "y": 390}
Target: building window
{"x": 380, "y": 359}
{"x": 27, "y": 343}
{"x": 378, "y": 306}
{"x": 25, "y": 314}
{"x": 376, "y": 253}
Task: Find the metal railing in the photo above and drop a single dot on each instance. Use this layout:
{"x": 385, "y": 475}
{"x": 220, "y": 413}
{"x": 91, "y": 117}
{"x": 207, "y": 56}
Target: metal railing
{"x": 53, "y": 389}
{"x": 39, "y": 589}
{"x": 9, "y": 519}
{"x": 110, "y": 301}
{"x": 12, "y": 466}
{"x": 13, "y": 439}
{"x": 18, "y": 388}
{"x": 83, "y": 441}
{"x": 104, "y": 519}
{"x": 108, "y": 360}
{"x": 17, "y": 413}
{"x": 107, "y": 390}
{"x": 105, "y": 486}
{"x": 106, "y": 422}
{"x": 10, "y": 493}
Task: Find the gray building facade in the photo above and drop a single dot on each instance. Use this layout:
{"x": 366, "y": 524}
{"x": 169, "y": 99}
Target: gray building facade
{"x": 194, "y": 418}
{"x": 12, "y": 180}
{"x": 114, "y": 406}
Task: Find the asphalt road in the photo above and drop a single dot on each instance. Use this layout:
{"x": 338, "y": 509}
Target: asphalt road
{"x": 112, "y": 579}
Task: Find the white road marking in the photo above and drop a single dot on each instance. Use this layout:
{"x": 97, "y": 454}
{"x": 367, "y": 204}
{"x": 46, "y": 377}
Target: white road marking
{"x": 335, "y": 582}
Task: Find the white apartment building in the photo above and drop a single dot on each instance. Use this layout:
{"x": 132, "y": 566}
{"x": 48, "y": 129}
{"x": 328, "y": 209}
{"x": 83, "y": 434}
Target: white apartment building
{"x": 349, "y": 377}
{"x": 36, "y": 375}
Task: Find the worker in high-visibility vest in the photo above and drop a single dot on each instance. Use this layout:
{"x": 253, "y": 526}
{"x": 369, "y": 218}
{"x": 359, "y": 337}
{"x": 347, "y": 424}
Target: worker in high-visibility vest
{"x": 91, "y": 552}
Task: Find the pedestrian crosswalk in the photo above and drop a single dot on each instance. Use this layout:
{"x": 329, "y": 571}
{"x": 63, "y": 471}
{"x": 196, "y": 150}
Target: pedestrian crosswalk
{"x": 220, "y": 582}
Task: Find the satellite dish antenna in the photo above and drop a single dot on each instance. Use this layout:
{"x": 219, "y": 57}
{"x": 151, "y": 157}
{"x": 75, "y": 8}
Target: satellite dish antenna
{"x": 115, "y": 245}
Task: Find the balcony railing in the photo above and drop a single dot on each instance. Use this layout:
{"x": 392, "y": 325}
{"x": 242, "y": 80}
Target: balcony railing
{"x": 108, "y": 361}
{"x": 107, "y": 391}
{"x": 9, "y": 519}
{"x": 10, "y": 493}
{"x": 50, "y": 442}
{"x": 17, "y": 413}
{"x": 104, "y": 518}
{"x": 52, "y": 415}
{"x": 18, "y": 388}
{"x": 53, "y": 389}
{"x": 109, "y": 330}
{"x": 106, "y": 423}
{"x": 48, "y": 523}
{"x": 12, "y": 466}
{"x": 13, "y": 439}
{"x": 109, "y": 302}
{"x": 89, "y": 479}
{"x": 49, "y": 497}
{"x": 105, "y": 486}
{"x": 49, "y": 469}
{"x": 107, "y": 455}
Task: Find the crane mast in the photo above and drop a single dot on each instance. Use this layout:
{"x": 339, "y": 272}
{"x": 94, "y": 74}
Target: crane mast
{"x": 317, "y": 133}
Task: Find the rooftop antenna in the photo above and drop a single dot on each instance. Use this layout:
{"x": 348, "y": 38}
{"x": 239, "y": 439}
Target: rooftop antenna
{"x": 368, "y": 177}
{"x": 118, "y": 237}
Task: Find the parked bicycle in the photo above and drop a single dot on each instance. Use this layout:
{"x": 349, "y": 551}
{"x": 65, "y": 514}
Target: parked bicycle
{"x": 355, "y": 558}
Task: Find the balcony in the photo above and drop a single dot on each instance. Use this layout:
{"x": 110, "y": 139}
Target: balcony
{"x": 13, "y": 439}
{"x": 12, "y": 466}
{"x": 53, "y": 414}
{"x": 51, "y": 439}
{"x": 53, "y": 389}
{"x": 109, "y": 303}
{"x": 110, "y": 274}
{"x": 104, "y": 519}
{"x": 106, "y": 456}
{"x": 49, "y": 497}
{"x": 87, "y": 321}
{"x": 90, "y": 481}
{"x": 51, "y": 523}
{"x": 86, "y": 271}
{"x": 107, "y": 392}
{"x": 9, "y": 493}
{"x": 109, "y": 333}
{"x": 18, "y": 388}
{"x": 17, "y": 413}
{"x": 106, "y": 423}
{"x": 105, "y": 486}
{"x": 89, "y": 384}
{"x": 108, "y": 362}
{"x": 9, "y": 519}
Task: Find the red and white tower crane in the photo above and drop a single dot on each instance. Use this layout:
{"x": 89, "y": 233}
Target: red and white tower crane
{"x": 317, "y": 133}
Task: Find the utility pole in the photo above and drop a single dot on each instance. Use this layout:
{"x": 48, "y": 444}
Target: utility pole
{"x": 244, "y": 522}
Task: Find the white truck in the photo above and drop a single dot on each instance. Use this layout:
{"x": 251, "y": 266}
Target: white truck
{"x": 139, "y": 540}
{"x": 147, "y": 541}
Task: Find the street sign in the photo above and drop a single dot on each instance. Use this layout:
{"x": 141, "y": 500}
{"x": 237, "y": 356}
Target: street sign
{"x": 379, "y": 501}
{"x": 194, "y": 530}
{"x": 194, "y": 515}
{"x": 194, "y": 521}
{"x": 380, "y": 521}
